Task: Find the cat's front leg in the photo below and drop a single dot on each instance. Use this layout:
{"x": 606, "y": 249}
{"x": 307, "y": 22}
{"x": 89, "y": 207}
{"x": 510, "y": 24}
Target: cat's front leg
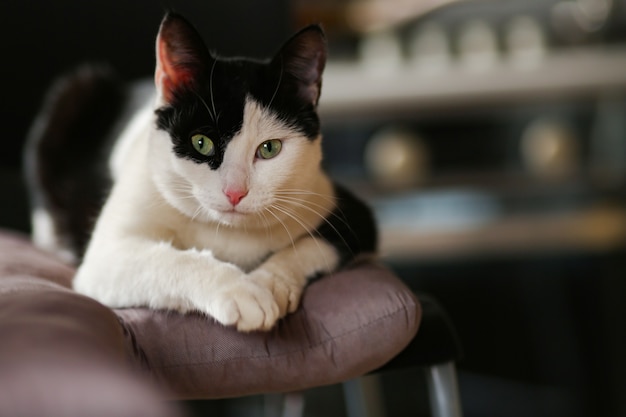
{"x": 160, "y": 276}
{"x": 236, "y": 301}
{"x": 286, "y": 272}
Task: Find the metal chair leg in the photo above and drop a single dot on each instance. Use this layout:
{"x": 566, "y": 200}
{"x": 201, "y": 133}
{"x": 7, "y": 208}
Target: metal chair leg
{"x": 443, "y": 390}
{"x": 294, "y": 404}
{"x": 363, "y": 397}
{"x": 284, "y": 405}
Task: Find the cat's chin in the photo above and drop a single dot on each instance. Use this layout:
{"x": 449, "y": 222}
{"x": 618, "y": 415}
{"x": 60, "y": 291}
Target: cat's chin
{"x": 233, "y": 218}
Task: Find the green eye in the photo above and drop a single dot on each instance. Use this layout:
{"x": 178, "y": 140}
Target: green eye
{"x": 203, "y": 145}
{"x": 269, "y": 149}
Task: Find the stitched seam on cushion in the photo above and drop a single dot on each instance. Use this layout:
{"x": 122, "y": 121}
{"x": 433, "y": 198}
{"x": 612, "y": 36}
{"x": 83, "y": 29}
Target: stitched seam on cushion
{"x": 136, "y": 349}
{"x": 308, "y": 348}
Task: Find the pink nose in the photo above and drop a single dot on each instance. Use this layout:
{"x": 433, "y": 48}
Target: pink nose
{"x": 235, "y": 196}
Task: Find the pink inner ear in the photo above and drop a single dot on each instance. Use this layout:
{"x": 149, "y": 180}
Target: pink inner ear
{"x": 169, "y": 76}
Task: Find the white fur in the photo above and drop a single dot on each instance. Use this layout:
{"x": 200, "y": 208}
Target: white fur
{"x": 46, "y": 237}
{"x": 169, "y": 238}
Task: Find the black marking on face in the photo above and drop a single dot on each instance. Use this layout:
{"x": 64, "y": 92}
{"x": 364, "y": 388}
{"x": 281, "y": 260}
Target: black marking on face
{"x": 215, "y": 110}
{"x": 211, "y": 97}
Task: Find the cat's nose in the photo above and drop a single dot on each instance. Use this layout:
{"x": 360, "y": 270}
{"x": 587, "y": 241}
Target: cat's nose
{"x": 235, "y": 195}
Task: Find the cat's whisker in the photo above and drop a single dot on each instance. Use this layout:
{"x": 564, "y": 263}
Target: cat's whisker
{"x": 156, "y": 204}
{"x": 293, "y": 214}
{"x": 303, "y": 191}
{"x": 299, "y": 200}
{"x": 217, "y": 230}
{"x": 306, "y": 204}
{"x": 280, "y": 221}
{"x": 205, "y": 106}
{"x": 268, "y": 228}
{"x": 197, "y": 213}
{"x": 287, "y": 212}
{"x": 291, "y": 192}
{"x": 280, "y": 79}
{"x": 211, "y": 90}
{"x": 301, "y": 204}
{"x": 295, "y": 197}
{"x": 328, "y": 198}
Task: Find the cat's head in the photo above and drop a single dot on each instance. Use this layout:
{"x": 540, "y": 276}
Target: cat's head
{"x": 235, "y": 134}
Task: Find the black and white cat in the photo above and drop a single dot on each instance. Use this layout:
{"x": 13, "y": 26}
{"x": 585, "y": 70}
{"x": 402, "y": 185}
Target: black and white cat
{"x": 218, "y": 202}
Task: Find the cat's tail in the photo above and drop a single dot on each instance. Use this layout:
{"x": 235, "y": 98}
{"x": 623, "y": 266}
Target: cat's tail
{"x": 65, "y": 158}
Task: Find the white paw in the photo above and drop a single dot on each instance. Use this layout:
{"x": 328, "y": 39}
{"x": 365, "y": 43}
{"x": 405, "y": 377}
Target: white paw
{"x": 286, "y": 289}
{"x": 247, "y": 306}
{"x": 242, "y": 303}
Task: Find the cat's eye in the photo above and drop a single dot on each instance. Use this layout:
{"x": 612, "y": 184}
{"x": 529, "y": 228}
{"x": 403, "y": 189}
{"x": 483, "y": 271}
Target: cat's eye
{"x": 269, "y": 149}
{"x": 203, "y": 144}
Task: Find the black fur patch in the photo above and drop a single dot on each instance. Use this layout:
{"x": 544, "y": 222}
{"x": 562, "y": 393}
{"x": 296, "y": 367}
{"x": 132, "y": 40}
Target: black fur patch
{"x": 350, "y": 228}
{"x": 67, "y": 152}
{"x": 215, "y": 108}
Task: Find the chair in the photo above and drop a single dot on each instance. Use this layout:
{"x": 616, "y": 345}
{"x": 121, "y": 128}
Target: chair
{"x": 435, "y": 349}
{"x": 63, "y": 354}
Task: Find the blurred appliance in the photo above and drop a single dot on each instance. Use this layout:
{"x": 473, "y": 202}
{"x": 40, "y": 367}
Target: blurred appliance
{"x": 483, "y": 126}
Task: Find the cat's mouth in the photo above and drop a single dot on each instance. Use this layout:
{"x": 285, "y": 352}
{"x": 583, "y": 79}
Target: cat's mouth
{"x": 232, "y": 210}
{"x": 240, "y": 217}
{"x": 238, "y": 214}
{"x": 232, "y": 214}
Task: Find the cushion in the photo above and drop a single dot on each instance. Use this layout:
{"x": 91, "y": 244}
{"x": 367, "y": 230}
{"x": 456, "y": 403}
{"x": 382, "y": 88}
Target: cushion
{"x": 62, "y": 354}
{"x": 349, "y": 323}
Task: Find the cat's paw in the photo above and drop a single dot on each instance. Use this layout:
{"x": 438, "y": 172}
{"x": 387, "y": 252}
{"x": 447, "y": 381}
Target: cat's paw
{"x": 286, "y": 288}
{"x": 244, "y": 304}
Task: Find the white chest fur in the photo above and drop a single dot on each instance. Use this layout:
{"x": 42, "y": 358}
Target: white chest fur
{"x": 147, "y": 249}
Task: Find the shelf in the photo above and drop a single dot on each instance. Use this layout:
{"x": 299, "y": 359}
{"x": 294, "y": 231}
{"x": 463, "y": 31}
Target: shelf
{"x": 351, "y": 91}
{"x": 594, "y": 229}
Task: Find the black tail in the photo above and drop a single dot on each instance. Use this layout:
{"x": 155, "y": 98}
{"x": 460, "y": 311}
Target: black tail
{"x": 66, "y": 154}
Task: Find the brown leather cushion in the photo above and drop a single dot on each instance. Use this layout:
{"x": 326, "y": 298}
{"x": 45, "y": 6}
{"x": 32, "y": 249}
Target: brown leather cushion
{"x": 349, "y": 323}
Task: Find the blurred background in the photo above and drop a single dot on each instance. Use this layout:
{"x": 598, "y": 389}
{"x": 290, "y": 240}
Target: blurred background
{"x": 489, "y": 136}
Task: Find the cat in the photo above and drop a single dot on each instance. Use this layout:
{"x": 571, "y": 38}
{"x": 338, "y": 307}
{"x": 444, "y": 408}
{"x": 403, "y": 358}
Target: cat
{"x": 210, "y": 195}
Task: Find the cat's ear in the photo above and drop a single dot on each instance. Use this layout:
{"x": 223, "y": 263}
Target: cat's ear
{"x": 181, "y": 56}
{"x": 304, "y": 57}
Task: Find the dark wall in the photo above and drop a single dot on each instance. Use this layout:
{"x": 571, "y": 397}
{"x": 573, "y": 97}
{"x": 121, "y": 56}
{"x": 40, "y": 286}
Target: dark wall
{"x": 42, "y": 39}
